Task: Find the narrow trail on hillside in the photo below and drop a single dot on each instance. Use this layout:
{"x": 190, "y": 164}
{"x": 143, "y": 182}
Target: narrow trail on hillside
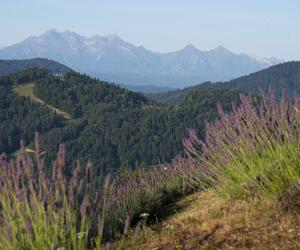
{"x": 27, "y": 91}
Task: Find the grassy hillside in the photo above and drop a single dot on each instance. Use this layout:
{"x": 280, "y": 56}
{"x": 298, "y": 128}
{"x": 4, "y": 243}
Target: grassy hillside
{"x": 12, "y": 66}
{"x": 249, "y": 166}
{"x": 204, "y": 221}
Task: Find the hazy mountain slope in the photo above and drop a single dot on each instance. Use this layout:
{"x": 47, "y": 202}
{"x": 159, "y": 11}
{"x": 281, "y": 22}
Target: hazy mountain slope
{"x": 174, "y": 96}
{"x": 146, "y": 89}
{"x": 126, "y": 63}
{"x": 284, "y": 76}
{"x": 11, "y": 66}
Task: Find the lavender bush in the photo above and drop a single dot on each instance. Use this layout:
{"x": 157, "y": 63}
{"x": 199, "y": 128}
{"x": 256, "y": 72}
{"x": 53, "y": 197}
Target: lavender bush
{"x": 42, "y": 212}
{"x": 249, "y": 150}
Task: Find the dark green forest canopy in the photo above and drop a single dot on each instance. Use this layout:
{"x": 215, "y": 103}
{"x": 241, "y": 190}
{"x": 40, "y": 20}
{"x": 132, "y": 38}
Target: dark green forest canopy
{"x": 110, "y": 126}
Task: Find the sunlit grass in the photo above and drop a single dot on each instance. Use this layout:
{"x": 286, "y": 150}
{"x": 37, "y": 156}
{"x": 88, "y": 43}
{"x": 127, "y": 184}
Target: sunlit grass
{"x": 205, "y": 221}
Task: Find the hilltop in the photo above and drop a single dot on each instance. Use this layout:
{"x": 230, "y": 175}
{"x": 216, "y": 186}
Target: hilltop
{"x": 12, "y": 66}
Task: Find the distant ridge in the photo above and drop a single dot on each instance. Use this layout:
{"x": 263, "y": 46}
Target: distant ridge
{"x": 115, "y": 60}
{"x": 147, "y": 89}
{"x": 284, "y": 77}
{"x": 11, "y": 66}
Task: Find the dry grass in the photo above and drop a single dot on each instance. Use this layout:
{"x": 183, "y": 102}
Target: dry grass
{"x": 27, "y": 91}
{"x": 209, "y": 222}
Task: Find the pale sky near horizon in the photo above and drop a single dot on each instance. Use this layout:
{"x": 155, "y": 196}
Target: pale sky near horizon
{"x": 261, "y": 27}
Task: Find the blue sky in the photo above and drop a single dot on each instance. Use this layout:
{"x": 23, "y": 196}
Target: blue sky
{"x": 262, "y": 27}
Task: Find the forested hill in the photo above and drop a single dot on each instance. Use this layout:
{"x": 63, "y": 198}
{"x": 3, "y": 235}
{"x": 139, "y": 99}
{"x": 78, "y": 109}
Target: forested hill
{"x": 11, "y": 66}
{"x": 109, "y": 125}
{"x": 284, "y": 76}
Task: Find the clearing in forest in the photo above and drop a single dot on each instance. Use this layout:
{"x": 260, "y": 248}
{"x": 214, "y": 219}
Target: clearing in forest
{"x": 27, "y": 91}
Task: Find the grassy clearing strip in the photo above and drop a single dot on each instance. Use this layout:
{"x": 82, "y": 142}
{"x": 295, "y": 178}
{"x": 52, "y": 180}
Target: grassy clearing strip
{"x": 27, "y": 91}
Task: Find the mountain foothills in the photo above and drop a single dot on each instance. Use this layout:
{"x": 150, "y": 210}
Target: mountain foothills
{"x": 284, "y": 77}
{"x": 112, "y": 59}
{"x": 109, "y": 125}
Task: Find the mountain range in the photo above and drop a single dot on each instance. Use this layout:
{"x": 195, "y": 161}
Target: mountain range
{"x": 113, "y": 59}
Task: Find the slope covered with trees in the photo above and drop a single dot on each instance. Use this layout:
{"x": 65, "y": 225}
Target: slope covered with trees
{"x": 114, "y": 127}
{"x": 118, "y": 128}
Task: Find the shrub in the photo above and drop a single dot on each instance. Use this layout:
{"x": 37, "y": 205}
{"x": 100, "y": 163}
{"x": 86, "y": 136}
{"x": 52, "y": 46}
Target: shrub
{"x": 143, "y": 191}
